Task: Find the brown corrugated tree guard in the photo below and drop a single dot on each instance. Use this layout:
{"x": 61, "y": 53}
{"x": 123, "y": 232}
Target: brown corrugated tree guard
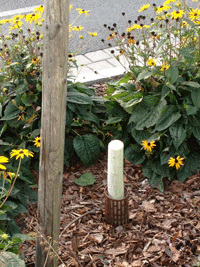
{"x": 54, "y": 92}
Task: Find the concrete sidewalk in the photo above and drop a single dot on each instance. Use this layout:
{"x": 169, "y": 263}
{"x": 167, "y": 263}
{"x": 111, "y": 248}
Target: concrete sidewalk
{"x": 98, "y": 66}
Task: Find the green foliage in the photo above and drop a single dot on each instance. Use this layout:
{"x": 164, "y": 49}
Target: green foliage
{"x": 160, "y": 94}
{"x": 9, "y": 259}
{"x": 85, "y": 179}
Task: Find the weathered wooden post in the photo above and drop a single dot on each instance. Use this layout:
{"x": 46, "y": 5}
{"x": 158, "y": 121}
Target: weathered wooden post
{"x": 54, "y": 91}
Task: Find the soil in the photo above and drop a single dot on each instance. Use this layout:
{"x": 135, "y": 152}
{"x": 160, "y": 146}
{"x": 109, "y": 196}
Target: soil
{"x": 163, "y": 229}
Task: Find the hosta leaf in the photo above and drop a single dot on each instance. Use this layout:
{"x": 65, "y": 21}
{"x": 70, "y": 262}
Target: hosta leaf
{"x": 85, "y": 179}
{"x": 9, "y": 259}
{"x": 87, "y": 148}
{"x": 151, "y": 118}
{"x": 167, "y": 118}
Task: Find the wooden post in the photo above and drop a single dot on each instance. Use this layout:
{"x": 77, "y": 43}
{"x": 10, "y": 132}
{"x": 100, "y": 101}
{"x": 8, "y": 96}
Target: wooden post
{"x": 54, "y": 92}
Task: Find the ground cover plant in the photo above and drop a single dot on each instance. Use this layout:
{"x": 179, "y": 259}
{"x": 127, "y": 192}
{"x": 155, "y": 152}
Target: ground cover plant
{"x": 161, "y": 92}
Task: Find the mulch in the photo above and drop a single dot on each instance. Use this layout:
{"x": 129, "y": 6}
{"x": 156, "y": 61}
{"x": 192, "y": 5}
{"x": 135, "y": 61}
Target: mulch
{"x": 163, "y": 228}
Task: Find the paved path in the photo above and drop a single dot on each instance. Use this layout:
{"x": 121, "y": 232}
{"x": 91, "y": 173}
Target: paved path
{"x": 98, "y": 66}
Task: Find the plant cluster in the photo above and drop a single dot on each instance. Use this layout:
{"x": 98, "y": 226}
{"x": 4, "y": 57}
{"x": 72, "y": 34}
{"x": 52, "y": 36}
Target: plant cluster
{"x": 21, "y": 53}
{"x": 161, "y": 92}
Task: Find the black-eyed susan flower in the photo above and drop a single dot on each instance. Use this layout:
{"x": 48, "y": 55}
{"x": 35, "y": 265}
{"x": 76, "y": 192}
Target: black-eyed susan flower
{"x": 37, "y": 141}
{"x": 176, "y": 162}
{"x": 162, "y": 8}
{"x": 3, "y": 160}
{"x": 77, "y": 28}
{"x": 39, "y": 9}
{"x": 194, "y": 14}
{"x": 151, "y": 62}
{"x": 10, "y": 174}
{"x": 82, "y": 11}
{"x": 177, "y": 14}
{"x": 164, "y": 67}
{"x": 144, "y": 7}
{"x": 33, "y": 17}
{"x": 148, "y": 146}
{"x": 70, "y": 7}
{"x": 20, "y": 153}
{"x": 93, "y": 34}
{"x": 35, "y": 60}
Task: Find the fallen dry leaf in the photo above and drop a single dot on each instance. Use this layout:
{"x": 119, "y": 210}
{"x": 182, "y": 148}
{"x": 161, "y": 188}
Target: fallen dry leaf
{"x": 148, "y": 207}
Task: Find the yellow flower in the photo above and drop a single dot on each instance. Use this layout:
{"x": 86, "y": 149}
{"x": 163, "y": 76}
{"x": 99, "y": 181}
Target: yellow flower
{"x": 194, "y": 14}
{"x": 10, "y": 174}
{"x": 176, "y": 162}
{"x": 37, "y": 141}
{"x": 4, "y": 236}
{"x": 148, "y": 146}
{"x": 195, "y": 0}
{"x": 93, "y": 34}
{"x": 162, "y": 8}
{"x": 3, "y": 21}
{"x": 20, "y": 153}
{"x": 81, "y": 37}
{"x": 82, "y": 11}
{"x": 39, "y": 9}
{"x": 151, "y": 62}
{"x": 177, "y": 14}
{"x": 70, "y": 7}
{"x": 164, "y": 67}
{"x": 144, "y": 7}
{"x": 35, "y": 60}
{"x": 32, "y": 17}
{"x": 133, "y": 27}
{"x": 77, "y": 28}
{"x": 168, "y": 2}
{"x": 3, "y": 160}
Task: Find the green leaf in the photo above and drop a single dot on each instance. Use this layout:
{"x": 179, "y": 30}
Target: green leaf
{"x": 187, "y": 53}
{"x": 11, "y": 112}
{"x": 172, "y": 73}
{"x": 196, "y": 132}
{"x": 191, "y": 165}
{"x": 195, "y": 94}
{"x": 143, "y": 75}
{"x": 151, "y": 118}
{"x": 167, "y": 118}
{"x": 87, "y": 148}
{"x": 165, "y": 91}
{"x": 138, "y": 113}
{"x": 85, "y": 179}
{"x": 134, "y": 154}
{"x": 191, "y": 84}
{"x": 124, "y": 79}
{"x": 113, "y": 120}
{"x": 9, "y": 259}
{"x": 23, "y": 237}
{"x": 178, "y": 134}
{"x": 79, "y": 98}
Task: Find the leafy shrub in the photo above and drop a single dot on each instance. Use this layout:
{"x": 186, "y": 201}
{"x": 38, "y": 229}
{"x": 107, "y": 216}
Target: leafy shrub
{"x": 161, "y": 91}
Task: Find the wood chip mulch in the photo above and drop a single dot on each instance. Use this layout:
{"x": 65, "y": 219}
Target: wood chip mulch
{"x": 163, "y": 228}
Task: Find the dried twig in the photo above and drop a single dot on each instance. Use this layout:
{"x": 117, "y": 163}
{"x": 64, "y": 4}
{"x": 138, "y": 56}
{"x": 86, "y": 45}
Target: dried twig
{"x": 80, "y": 217}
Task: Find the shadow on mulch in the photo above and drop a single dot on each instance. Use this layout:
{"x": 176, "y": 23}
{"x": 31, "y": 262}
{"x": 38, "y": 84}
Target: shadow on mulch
{"x": 163, "y": 228}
